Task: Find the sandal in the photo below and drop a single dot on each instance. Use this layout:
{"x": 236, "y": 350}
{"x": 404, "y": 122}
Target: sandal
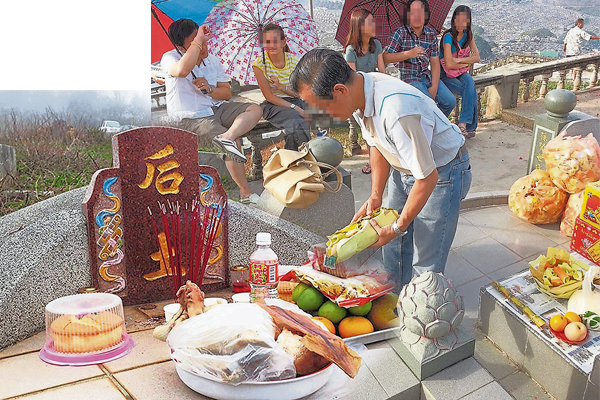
{"x": 251, "y": 200}
{"x": 366, "y": 169}
{"x": 230, "y": 148}
{"x": 470, "y": 135}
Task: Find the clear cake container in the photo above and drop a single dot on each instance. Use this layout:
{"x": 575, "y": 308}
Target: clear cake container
{"x": 85, "y": 329}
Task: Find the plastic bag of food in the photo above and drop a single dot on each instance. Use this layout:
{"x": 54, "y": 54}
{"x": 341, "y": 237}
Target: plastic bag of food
{"x": 359, "y": 264}
{"x": 535, "y": 199}
{"x": 347, "y": 292}
{"x": 232, "y": 343}
{"x": 357, "y": 236}
{"x": 572, "y": 161}
{"x": 572, "y": 211}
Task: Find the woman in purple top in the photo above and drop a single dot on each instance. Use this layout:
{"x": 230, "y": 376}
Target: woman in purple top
{"x": 458, "y": 37}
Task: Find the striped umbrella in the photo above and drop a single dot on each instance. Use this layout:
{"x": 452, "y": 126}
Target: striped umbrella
{"x": 389, "y": 16}
{"x": 237, "y": 27}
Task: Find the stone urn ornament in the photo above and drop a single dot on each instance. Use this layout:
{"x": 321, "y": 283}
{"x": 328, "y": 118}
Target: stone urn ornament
{"x": 431, "y": 311}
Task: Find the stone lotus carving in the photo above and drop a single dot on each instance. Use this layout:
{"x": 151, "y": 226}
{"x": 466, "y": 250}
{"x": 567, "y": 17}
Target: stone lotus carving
{"x": 430, "y": 311}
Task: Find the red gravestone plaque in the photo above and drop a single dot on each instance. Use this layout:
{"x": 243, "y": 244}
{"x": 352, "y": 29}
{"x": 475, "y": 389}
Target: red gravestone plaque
{"x": 151, "y": 166}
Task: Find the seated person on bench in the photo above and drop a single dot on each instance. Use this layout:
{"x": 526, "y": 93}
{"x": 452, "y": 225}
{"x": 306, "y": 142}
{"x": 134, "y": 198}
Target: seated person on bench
{"x": 283, "y": 107}
{"x": 197, "y": 95}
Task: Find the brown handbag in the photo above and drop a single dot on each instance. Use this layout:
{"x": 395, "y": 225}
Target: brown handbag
{"x": 295, "y": 179}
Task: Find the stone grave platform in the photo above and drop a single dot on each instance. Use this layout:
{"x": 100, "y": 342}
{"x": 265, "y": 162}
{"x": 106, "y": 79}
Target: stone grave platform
{"x": 537, "y": 351}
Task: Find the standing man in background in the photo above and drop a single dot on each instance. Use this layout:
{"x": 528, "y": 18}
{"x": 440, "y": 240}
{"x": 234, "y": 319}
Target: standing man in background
{"x": 574, "y": 39}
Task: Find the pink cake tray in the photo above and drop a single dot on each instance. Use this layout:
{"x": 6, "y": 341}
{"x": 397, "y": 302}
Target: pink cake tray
{"x": 47, "y": 354}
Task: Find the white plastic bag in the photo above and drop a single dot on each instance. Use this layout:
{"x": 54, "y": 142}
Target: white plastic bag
{"x": 232, "y": 343}
{"x": 586, "y": 299}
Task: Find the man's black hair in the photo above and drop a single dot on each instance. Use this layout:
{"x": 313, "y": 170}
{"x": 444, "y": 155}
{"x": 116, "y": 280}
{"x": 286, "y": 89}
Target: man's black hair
{"x": 425, "y": 7}
{"x": 321, "y": 69}
{"x": 181, "y": 29}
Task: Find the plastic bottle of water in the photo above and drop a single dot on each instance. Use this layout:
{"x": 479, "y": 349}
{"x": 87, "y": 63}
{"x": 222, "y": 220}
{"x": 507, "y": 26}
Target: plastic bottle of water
{"x": 264, "y": 266}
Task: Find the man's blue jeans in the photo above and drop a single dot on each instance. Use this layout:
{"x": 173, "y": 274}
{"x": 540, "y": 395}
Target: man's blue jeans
{"x": 464, "y": 86}
{"x": 444, "y": 98}
{"x": 426, "y": 245}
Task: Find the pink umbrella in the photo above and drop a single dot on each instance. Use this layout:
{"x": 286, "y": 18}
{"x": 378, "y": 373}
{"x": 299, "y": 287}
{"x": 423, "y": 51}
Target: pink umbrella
{"x": 237, "y": 26}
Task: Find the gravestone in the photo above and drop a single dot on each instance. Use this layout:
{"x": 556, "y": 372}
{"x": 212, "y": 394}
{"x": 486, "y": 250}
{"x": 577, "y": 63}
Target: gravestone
{"x": 156, "y": 165}
{"x": 559, "y": 105}
{"x": 584, "y": 125}
{"x": 8, "y": 165}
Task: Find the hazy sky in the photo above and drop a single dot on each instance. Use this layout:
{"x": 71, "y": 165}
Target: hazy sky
{"x": 59, "y": 100}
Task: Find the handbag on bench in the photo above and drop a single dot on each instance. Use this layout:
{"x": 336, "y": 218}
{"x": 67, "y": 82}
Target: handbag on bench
{"x": 295, "y": 179}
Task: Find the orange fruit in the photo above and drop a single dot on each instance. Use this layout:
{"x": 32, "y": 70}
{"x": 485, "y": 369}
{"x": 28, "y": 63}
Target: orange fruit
{"x": 558, "y": 323}
{"x": 328, "y": 324}
{"x": 354, "y": 326}
{"x": 572, "y": 317}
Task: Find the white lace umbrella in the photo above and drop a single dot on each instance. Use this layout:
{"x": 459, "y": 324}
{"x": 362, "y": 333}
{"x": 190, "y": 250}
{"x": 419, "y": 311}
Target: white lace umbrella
{"x": 237, "y": 26}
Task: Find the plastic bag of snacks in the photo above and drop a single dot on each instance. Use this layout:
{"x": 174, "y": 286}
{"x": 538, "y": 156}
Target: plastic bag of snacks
{"x": 572, "y": 211}
{"x": 572, "y": 161}
{"x": 535, "y": 199}
{"x": 347, "y": 292}
{"x": 357, "y": 236}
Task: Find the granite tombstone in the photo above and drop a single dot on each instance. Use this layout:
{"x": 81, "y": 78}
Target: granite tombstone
{"x": 152, "y": 166}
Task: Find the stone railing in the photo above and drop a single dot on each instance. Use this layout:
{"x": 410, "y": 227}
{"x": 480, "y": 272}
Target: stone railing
{"x": 502, "y": 84}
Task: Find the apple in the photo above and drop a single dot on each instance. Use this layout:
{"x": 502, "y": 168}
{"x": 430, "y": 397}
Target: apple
{"x": 382, "y": 314}
{"x": 575, "y": 331}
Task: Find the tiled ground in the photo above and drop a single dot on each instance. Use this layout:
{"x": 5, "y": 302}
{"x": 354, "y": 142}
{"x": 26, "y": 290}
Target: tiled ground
{"x": 490, "y": 244}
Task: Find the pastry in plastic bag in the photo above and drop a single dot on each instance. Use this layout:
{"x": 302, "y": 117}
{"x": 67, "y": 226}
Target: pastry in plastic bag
{"x": 572, "y": 211}
{"x": 572, "y": 161}
{"x": 535, "y": 199}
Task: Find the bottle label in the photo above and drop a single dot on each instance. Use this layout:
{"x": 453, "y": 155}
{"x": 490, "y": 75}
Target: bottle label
{"x": 263, "y": 272}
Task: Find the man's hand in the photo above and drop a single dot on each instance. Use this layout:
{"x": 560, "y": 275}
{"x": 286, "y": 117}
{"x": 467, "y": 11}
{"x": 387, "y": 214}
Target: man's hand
{"x": 201, "y": 83}
{"x": 372, "y": 204}
{"x": 300, "y": 111}
{"x": 416, "y": 52}
{"x": 385, "y": 234}
{"x": 432, "y": 91}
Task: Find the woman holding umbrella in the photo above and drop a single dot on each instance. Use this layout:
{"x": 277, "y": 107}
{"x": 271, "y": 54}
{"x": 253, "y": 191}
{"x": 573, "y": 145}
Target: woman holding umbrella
{"x": 364, "y": 53}
{"x": 282, "y": 106}
{"x": 458, "y": 52}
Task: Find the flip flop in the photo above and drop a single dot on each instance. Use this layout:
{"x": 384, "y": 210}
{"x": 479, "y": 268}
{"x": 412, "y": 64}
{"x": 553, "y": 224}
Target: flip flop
{"x": 252, "y": 200}
{"x": 366, "y": 169}
{"x": 230, "y": 148}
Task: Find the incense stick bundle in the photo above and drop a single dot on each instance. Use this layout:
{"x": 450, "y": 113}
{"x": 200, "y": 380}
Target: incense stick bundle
{"x": 189, "y": 236}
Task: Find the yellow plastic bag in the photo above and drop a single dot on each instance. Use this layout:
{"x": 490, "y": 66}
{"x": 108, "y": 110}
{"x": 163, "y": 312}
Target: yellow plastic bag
{"x": 535, "y": 199}
{"x": 572, "y": 161}
{"x": 572, "y": 211}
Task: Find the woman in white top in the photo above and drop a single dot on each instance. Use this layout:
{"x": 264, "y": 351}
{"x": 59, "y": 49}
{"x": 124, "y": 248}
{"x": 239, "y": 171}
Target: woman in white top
{"x": 364, "y": 53}
{"x": 282, "y": 106}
